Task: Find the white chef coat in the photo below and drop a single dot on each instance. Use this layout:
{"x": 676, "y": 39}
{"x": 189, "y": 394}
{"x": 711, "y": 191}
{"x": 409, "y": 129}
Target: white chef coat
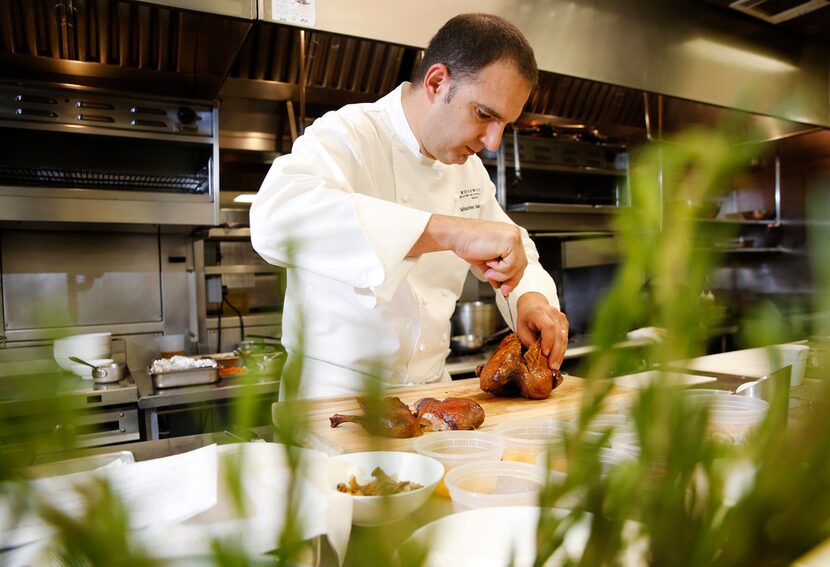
{"x": 341, "y": 212}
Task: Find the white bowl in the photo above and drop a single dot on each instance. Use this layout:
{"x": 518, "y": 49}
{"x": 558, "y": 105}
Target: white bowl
{"x": 500, "y": 483}
{"x": 489, "y": 537}
{"x": 378, "y": 510}
{"x": 87, "y": 346}
{"x": 486, "y": 536}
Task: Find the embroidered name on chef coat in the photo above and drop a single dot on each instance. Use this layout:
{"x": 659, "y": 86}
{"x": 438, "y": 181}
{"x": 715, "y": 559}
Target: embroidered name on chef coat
{"x": 469, "y": 199}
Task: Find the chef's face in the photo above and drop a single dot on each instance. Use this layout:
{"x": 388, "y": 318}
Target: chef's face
{"x": 466, "y": 115}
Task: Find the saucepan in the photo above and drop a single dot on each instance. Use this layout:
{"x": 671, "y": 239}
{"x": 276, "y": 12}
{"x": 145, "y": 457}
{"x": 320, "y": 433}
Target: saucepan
{"x": 473, "y": 343}
{"x": 108, "y": 373}
{"x": 480, "y": 318}
{"x": 474, "y": 324}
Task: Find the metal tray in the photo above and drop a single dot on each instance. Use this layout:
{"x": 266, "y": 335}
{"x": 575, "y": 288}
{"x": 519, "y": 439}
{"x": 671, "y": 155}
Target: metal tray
{"x": 188, "y": 377}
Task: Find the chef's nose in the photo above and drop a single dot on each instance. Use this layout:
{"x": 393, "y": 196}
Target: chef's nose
{"x": 491, "y": 137}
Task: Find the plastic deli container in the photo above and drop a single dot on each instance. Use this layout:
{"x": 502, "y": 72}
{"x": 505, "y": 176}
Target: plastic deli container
{"x": 497, "y": 483}
{"x": 605, "y": 421}
{"x": 455, "y": 448}
{"x": 731, "y": 418}
{"x": 525, "y": 440}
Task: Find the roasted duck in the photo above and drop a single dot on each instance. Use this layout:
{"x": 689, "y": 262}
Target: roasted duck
{"x": 450, "y": 413}
{"x": 511, "y": 372}
{"x": 389, "y": 417}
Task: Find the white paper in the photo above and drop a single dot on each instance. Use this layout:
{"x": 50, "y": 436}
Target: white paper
{"x": 301, "y": 12}
{"x": 167, "y": 490}
{"x": 265, "y": 480}
{"x": 179, "y": 505}
{"x": 170, "y": 489}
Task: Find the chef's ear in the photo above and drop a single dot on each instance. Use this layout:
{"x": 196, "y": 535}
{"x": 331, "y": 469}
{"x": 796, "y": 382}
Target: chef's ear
{"x": 436, "y": 81}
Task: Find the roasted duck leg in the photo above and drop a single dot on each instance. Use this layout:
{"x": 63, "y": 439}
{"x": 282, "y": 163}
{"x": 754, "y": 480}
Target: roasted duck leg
{"x": 450, "y": 413}
{"x": 389, "y": 417}
{"x": 500, "y": 374}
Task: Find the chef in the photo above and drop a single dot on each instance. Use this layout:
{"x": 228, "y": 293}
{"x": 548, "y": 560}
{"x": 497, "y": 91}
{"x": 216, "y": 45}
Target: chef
{"x": 381, "y": 210}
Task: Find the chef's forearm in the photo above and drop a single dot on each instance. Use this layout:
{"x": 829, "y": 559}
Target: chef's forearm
{"x": 437, "y": 235}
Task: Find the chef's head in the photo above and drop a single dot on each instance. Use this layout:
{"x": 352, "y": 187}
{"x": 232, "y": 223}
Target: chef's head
{"x": 474, "y": 79}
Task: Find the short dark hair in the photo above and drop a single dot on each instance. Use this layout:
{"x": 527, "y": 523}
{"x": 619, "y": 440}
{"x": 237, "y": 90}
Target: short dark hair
{"x": 469, "y": 42}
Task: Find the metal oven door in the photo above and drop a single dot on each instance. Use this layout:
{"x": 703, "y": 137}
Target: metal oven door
{"x": 73, "y": 155}
{"x": 105, "y": 427}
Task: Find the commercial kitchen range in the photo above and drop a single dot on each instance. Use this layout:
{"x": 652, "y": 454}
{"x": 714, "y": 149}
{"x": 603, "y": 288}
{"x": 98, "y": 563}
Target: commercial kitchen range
{"x": 33, "y": 388}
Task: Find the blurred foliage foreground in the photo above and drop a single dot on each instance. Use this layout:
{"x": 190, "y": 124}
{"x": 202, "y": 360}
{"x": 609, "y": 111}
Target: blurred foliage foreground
{"x": 688, "y": 499}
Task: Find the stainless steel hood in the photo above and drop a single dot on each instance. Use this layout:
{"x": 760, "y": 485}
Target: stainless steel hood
{"x": 684, "y": 48}
{"x": 236, "y": 8}
{"x": 121, "y": 45}
{"x": 338, "y": 69}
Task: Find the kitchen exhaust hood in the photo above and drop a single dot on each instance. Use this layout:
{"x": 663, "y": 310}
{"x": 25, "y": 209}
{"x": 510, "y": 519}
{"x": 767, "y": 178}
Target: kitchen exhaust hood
{"x": 777, "y": 11}
{"x": 338, "y": 69}
{"x": 125, "y": 46}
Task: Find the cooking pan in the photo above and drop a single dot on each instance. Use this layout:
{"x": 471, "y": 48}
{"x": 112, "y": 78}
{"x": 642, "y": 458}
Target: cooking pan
{"x": 473, "y": 343}
{"x": 480, "y": 318}
{"x": 105, "y": 374}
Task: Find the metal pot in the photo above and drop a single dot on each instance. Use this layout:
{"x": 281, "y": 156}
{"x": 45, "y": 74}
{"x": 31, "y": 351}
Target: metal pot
{"x": 104, "y": 374}
{"x": 479, "y": 318}
{"x": 110, "y": 373}
{"x": 473, "y": 343}
{"x": 474, "y": 324}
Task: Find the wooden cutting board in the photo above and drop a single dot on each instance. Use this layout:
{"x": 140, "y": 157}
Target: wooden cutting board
{"x": 563, "y": 403}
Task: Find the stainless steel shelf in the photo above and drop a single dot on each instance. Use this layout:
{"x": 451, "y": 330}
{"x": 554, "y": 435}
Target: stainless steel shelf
{"x": 257, "y": 269}
{"x": 250, "y": 320}
{"x": 765, "y": 250}
{"x": 529, "y": 165}
{"x": 741, "y": 222}
{"x": 564, "y": 209}
{"x": 219, "y": 233}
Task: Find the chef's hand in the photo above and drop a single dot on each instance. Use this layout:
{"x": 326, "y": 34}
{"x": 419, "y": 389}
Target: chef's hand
{"x": 538, "y": 318}
{"x": 495, "y": 248}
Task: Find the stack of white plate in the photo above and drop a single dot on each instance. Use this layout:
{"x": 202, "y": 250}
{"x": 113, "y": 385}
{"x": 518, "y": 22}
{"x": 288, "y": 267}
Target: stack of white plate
{"x": 92, "y": 347}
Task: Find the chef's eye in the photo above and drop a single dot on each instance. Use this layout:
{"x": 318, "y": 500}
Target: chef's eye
{"x": 483, "y": 115}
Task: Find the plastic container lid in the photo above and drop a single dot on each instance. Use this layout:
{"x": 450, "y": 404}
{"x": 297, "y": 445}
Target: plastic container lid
{"x": 498, "y": 483}
{"x": 605, "y": 421}
{"x": 455, "y": 448}
{"x": 524, "y": 440}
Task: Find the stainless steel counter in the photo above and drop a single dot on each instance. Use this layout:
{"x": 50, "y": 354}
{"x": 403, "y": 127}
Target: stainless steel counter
{"x": 102, "y": 413}
{"x": 147, "y": 450}
{"x": 150, "y": 397}
{"x": 171, "y": 402}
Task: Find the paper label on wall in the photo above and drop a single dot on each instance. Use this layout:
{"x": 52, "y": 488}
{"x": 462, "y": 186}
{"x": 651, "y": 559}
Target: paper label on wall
{"x": 301, "y": 12}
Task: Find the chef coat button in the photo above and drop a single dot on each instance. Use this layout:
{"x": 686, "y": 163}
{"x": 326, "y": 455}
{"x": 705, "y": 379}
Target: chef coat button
{"x": 405, "y": 197}
{"x": 422, "y": 347}
{"x": 444, "y": 338}
{"x": 423, "y": 301}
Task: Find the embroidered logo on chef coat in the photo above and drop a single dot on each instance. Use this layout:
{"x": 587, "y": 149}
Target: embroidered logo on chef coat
{"x": 469, "y": 200}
